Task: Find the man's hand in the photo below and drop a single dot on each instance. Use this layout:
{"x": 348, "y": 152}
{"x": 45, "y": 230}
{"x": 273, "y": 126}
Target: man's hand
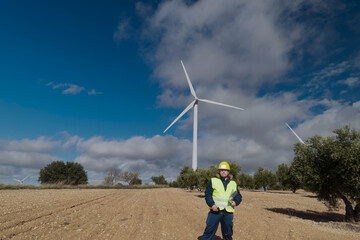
{"x": 214, "y": 208}
{"x": 233, "y": 203}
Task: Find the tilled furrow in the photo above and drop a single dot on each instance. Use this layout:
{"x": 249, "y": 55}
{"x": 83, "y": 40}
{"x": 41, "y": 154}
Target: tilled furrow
{"x": 117, "y": 217}
{"x": 78, "y": 221}
{"x": 20, "y": 224}
{"x": 37, "y": 208}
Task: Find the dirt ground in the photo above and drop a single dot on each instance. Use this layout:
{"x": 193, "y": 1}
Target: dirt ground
{"x": 163, "y": 214}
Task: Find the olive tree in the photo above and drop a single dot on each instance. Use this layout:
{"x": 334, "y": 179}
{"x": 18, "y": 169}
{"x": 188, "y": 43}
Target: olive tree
{"x": 187, "y": 178}
{"x": 287, "y": 177}
{"x": 282, "y": 175}
{"x": 204, "y": 175}
{"x": 67, "y": 173}
{"x": 330, "y": 167}
{"x": 264, "y": 178}
{"x": 246, "y": 180}
{"x": 235, "y": 170}
{"x": 293, "y": 180}
{"x": 160, "y": 180}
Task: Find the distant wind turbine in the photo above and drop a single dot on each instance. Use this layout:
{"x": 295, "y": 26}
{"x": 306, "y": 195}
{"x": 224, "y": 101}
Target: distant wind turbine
{"x": 21, "y": 181}
{"x": 194, "y": 104}
{"x": 295, "y": 134}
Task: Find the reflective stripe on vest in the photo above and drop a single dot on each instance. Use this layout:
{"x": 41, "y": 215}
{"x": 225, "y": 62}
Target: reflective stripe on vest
{"x": 222, "y": 197}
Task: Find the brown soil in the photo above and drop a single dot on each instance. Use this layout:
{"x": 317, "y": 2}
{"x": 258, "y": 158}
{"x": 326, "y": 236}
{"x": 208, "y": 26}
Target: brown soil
{"x": 163, "y": 214}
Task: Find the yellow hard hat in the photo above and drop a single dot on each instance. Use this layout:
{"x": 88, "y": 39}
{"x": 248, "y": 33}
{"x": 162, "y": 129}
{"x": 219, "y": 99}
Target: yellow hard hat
{"x": 224, "y": 166}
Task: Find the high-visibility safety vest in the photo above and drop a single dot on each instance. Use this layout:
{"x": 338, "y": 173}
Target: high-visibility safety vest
{"x": 222, "y": 197}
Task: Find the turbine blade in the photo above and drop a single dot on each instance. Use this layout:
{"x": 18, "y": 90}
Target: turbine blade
{"x": 295, "y": 134}
{"x": 221, "y": 104}
{"x": 181, "y": 114}
{"x": 188, "y": 80}
{"x": 24, "y": 179}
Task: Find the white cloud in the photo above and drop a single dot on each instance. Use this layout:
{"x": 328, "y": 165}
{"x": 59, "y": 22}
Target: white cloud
{"x": 142, "y": 9}
{"x": 93, "y": 92}
{"x": 25, "y": 159}
{"x": 356, "y": 104}
{"x": 123, "y": 30}
{"x": 325, "y": 81}
{"x": 40, "y": 145}
{"x": 100, "y": 154}
{"x": 332, "y": 70}
{"x": 351, "y": 81}
{"x": 60, "y": 85}
{"x": 239, "y": 43}
{"x": 249, "y": 153}
{"x": 70, "y": 141}
{"x": 338, "y": 115}
{"x": 71, "y": 89}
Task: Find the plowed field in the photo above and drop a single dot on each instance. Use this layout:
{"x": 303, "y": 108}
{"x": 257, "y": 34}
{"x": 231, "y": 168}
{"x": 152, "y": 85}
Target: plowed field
{"x": 162, "y": 214}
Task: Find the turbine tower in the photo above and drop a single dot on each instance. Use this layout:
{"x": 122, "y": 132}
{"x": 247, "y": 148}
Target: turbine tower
{"x": 295, "y": 134}
{"x": 194, "y": 104}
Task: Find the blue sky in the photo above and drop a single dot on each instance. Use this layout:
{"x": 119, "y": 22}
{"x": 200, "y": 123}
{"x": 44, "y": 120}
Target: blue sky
{"x": 65, "y": 43}
{"x": 97, "y": 82}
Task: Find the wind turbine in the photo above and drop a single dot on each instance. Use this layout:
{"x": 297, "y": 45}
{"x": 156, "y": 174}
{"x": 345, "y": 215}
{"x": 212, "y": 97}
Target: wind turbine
{"x": 295, "y": 134}
{"x": 21, "y": 181}
{"x": 194, "y": 104}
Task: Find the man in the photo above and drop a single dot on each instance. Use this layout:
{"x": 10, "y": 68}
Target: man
{"x": 221, "y": 195}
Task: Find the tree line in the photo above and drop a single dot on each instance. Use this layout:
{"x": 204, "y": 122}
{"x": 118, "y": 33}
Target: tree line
{"x": 262, "y": 179}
